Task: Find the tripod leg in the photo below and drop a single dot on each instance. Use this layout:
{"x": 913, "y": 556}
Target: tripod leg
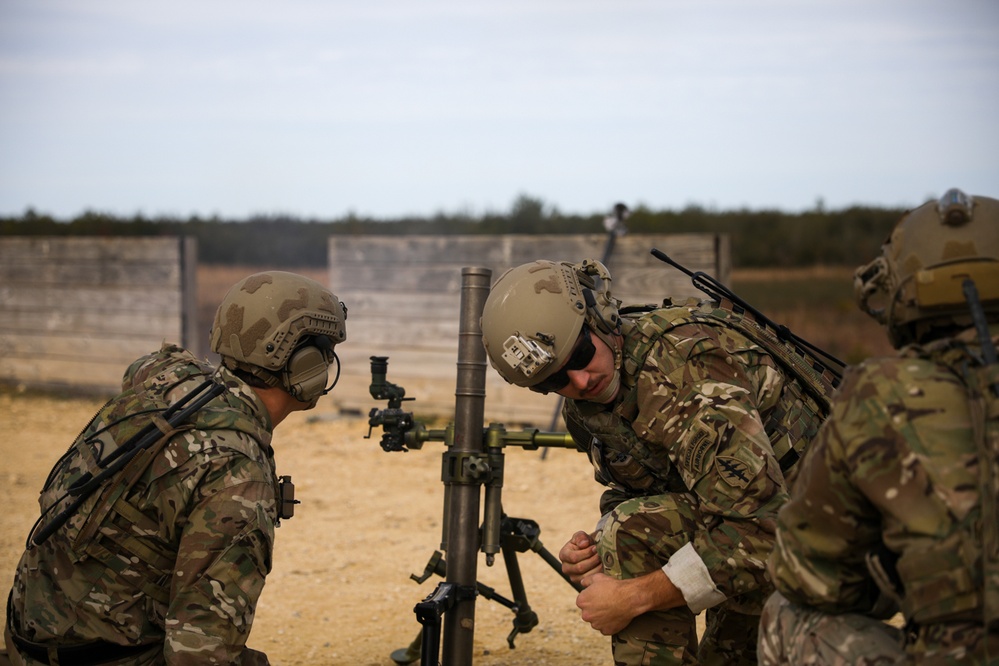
{"x": 524, "y": 618}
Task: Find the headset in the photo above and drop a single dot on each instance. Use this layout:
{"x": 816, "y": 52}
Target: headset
{"x": 306, "y": 373}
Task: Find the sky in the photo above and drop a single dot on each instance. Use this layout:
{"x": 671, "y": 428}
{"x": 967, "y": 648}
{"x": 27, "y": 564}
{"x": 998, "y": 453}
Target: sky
{"x": 319, "y": 109}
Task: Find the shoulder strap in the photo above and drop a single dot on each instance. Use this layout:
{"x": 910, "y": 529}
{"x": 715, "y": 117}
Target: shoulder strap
{"x": 983, "y": 382}
{"x": 984, "y": 408}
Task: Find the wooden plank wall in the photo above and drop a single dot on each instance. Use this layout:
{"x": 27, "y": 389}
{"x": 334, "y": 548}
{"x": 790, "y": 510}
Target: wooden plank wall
{"x": 403, "y": 293}
{"x": 75, "y": 311}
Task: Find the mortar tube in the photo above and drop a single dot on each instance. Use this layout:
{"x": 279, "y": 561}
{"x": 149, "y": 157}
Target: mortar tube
{"x": 464, "y": 498}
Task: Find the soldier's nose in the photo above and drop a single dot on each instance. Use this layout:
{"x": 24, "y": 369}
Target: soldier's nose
{"x": 578, "y": 379}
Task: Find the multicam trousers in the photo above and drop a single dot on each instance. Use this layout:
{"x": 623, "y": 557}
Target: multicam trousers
{"x": 637, "y": 538}
{"x": 792, "y": 634}
{"x": 9, "y": 656}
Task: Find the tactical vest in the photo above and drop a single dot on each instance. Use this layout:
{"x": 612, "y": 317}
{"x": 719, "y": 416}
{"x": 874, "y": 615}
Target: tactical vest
{"x": 939, "y": 577}
{"x": 106, "y": 525}
{"x": 626, "y": 463}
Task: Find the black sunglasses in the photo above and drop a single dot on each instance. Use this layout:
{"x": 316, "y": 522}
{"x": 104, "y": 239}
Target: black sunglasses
{"x": 581, "y": 356}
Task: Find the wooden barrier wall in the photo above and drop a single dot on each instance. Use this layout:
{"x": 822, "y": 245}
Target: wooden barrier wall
{"x": 75, "y": 311}
{"x": 403, "y": 293}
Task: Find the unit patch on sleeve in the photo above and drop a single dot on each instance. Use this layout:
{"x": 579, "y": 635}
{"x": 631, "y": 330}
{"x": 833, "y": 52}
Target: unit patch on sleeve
{"x": 733, "y": 471}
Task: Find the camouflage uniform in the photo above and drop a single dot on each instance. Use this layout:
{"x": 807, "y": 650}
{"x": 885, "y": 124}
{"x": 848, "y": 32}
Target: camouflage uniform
{"x": 170, "y": 554}
{"x": 887, "y": 506}
{"x": 687, "y": 450}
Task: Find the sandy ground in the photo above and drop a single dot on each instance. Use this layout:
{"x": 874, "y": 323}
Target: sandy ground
{"x": 340, "y": 591}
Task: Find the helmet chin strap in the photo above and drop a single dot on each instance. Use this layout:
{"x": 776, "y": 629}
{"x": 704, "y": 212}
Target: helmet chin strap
{"x": 610, "y": 391}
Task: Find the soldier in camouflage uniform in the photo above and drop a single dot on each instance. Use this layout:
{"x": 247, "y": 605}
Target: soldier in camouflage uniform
{"x": 690, "y": 413}
{"x": 894, "y": 507}
{"x": 156, "y": 552}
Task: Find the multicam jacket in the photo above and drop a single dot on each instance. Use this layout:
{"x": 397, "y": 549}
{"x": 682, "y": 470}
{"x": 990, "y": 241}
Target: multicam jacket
{"x": 889, "y": 498}
{"x": 701, "y": 411}
{"x": 171, "y": 552}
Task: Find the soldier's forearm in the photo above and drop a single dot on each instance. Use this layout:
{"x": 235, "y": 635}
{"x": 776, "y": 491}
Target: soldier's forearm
{"x": 655, "y": 592}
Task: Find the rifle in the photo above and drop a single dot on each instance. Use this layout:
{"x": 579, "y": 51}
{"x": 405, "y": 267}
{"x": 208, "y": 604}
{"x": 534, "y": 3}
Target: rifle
{"x": 717, "y": 291}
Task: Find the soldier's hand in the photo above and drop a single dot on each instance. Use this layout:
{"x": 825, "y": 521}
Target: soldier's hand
{"x": 579, "y": 557}
{"x": 609, "y": 604}
{"x": 606, "y": 603}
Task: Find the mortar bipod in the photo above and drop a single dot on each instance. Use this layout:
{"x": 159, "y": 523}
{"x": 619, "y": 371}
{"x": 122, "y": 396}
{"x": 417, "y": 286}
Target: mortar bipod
{"x": 518, "y": 535}
{"x": 498, "y": 533}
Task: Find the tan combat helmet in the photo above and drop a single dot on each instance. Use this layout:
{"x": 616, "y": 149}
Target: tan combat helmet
{"x": 281, "y": 328}
{"x": 917, "y": 280}
{"x": 535, "y": 313}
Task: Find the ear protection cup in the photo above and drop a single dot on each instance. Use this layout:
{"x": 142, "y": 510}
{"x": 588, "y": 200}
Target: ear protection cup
{"x": 306, "y": 374}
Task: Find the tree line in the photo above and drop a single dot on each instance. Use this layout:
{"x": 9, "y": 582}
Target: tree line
{"x": 762, "y": 238}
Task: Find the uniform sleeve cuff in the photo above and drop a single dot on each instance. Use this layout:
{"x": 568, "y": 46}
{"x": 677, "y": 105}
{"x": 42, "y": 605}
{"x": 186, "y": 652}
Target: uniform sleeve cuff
{"x": 686, "y": 570}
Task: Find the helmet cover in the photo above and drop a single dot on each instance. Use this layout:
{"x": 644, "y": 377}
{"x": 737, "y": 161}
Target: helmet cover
{"x": 535, "y": 312}
{"x": 266, "y": 317}
{"x": 917, "y": 280}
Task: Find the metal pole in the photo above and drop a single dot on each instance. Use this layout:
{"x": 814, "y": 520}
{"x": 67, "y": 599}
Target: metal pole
{"x": 466, "y": 452}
